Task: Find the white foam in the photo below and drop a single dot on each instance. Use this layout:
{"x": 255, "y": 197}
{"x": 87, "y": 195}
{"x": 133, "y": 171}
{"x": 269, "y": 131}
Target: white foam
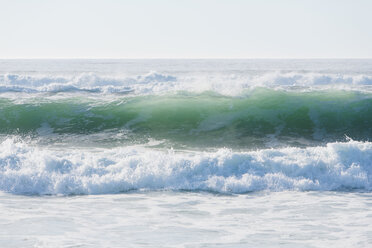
{"x": 27, "y": 169}
{"x": 86, "y": 82}
{"x": 159, "y": 83}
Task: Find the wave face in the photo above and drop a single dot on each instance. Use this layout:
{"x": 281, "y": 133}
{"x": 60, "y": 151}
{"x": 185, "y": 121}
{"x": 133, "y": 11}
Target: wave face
{"x": 262, "y": 118}
{"x": 33, "y": 170}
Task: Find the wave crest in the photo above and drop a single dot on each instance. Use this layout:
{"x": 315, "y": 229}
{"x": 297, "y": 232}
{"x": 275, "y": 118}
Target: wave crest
{"x": 159, "y": 83}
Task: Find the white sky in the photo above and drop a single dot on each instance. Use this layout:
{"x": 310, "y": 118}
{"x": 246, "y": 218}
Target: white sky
{"x": 185, "y": 28}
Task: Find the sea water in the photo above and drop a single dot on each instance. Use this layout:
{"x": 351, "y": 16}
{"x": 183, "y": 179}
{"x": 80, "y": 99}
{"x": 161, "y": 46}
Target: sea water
{"x": 185, "y": 153}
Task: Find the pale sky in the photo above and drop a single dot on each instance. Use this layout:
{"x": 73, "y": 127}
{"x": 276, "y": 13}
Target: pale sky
{"x": 185, "y": 28}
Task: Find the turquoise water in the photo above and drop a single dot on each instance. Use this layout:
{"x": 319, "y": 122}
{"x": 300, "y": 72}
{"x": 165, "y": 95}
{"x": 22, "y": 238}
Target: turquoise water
{"x": 256, "y": 119}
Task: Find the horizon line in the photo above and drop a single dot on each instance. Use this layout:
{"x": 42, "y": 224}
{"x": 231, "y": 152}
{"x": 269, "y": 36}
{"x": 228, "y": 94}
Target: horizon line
{"x": 187, "y": 58}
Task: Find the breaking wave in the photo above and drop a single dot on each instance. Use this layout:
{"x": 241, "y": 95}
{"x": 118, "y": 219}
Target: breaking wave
{"x": 208, "y": 128}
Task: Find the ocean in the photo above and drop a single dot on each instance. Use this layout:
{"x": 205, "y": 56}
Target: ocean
{"x": 186, "y": 153}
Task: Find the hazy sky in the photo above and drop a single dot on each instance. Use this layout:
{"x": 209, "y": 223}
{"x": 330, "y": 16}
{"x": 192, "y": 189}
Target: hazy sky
{"x": 185, "y": 28}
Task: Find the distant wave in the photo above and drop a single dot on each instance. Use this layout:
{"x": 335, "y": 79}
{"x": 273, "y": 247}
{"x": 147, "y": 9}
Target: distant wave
{"x": 26, "y": 169}
{"x": 159, "y": 83}
{"x": 85, "y": 82}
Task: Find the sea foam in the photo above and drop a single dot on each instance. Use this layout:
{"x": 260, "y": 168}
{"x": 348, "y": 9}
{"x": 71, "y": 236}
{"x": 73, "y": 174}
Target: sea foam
{"x": 161, "y": 83}
{"x": 28, "y": 169}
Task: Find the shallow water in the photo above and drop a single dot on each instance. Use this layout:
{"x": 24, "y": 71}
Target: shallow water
{"x": 188, "y": 219}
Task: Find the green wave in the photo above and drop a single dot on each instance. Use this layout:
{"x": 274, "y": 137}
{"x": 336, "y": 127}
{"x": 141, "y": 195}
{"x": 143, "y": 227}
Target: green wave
{"x": 261, "y": 118}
